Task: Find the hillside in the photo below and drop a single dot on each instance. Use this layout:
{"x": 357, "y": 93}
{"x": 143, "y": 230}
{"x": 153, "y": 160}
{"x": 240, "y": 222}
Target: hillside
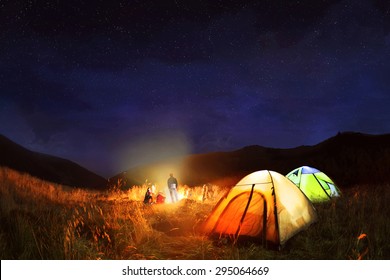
{"x": 45, "y": 221}
{"x": 48, "y": 167}
{"x": 349, "y": 158}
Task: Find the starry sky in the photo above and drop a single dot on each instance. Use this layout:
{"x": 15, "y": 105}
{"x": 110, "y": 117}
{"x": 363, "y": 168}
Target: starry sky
{"x": 115, "y": 84}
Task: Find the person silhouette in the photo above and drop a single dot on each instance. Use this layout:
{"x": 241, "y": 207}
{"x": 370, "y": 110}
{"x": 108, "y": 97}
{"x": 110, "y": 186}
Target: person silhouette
{"x": 173, "y": 186}
{"x": 148, "y": 196}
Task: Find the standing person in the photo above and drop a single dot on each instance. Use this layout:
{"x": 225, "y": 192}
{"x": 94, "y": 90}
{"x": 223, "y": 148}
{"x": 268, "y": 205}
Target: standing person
{"x": 172, "y": 186}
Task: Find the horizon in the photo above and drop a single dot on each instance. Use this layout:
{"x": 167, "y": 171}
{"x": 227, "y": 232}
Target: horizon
{"x": 161, "y": 160}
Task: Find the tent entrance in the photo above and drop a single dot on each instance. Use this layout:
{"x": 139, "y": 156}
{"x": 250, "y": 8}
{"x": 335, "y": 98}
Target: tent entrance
{"x": 246, "y": 214}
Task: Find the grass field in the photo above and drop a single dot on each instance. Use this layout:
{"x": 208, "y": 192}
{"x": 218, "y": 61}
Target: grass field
{"x": 42, "y": 220}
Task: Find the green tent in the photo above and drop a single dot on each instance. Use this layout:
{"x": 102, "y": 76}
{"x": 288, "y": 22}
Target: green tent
{"x": 316, "y": 185}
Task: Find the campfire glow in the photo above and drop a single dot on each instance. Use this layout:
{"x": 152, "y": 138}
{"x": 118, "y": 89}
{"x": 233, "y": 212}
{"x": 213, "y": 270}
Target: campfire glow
{"x": 184, "y": 192}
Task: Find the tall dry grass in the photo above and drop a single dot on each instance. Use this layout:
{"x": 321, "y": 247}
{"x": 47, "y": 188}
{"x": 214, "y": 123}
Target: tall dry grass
{"x": 42, "y": 220}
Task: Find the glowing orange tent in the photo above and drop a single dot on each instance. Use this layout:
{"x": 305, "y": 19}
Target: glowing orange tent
{"x": 264, "y": 205}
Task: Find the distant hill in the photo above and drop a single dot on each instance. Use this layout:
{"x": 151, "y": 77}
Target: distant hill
{"x": 50, "y": 168}
{"x": 348, "y": 158}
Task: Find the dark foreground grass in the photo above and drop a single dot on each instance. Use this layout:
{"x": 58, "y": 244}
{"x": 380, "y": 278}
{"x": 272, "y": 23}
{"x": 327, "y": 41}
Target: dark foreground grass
{"x": 41, "y": 220}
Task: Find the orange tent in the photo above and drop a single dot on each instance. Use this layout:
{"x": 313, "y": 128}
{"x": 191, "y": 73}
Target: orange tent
{"x": 264, "y": 205}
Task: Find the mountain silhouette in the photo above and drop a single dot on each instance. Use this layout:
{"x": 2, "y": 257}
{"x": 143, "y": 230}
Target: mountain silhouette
{"x": 46, "y": 167}
{"x": 349, "y": 158}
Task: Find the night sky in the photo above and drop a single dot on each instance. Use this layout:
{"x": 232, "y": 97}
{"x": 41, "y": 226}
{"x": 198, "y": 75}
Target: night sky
{"x": 114, "y": 84}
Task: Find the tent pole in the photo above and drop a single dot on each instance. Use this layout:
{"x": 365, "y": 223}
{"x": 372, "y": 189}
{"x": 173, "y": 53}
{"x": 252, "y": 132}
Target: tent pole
{"x": 318, "y": 181}
{"x": 244, "y": 214}
{"x": 275, "y": 207}
{"x": 264, "y": 237}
